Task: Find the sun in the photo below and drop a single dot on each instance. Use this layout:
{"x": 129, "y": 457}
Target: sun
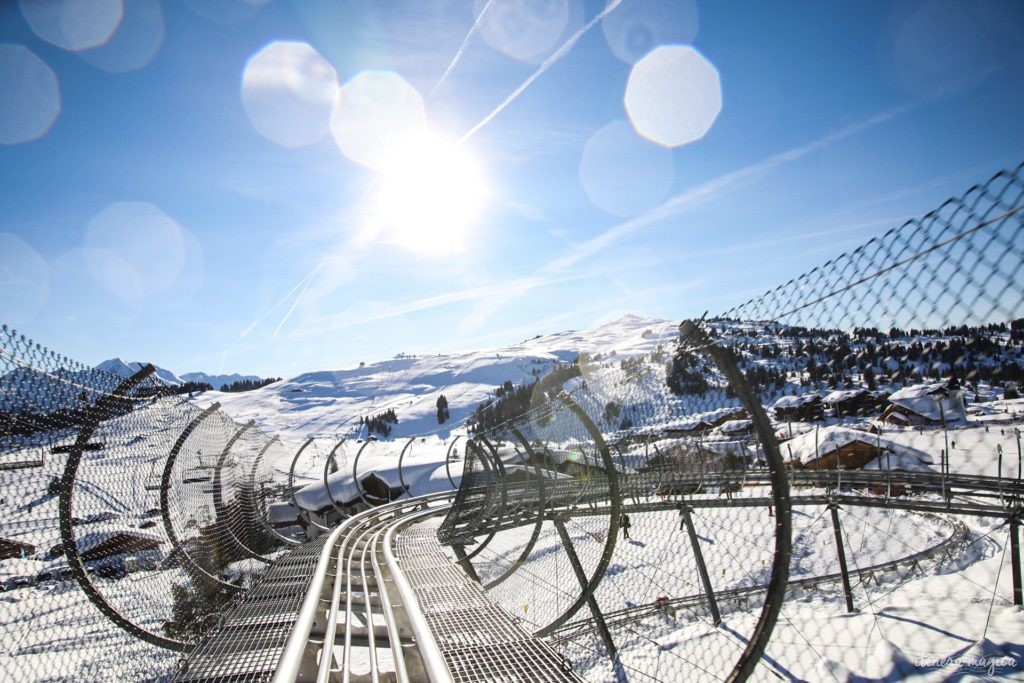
{"x": 428, "y": 196}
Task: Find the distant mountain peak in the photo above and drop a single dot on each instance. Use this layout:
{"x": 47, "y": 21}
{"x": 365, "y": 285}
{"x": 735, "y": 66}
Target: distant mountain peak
{"x": 123, "y": 368}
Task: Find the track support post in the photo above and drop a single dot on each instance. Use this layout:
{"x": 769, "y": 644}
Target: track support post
{"x": 465, "y": 563}
{"x": 844, "y": 571}
{"x": 1018, "y": 591}
{"x": 595, "y": 609}
{"x": 685, "y": 511}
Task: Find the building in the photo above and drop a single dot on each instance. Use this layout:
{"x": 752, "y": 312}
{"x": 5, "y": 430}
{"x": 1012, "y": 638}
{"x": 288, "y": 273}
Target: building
{"x": 926, "y": 404}
{"x": 845, "y": 402}
{"x": 702, "y": 423}
{"x": 802, "y": 408}
{"x": 833, "y": 448}
{"x": 839, "y": 447}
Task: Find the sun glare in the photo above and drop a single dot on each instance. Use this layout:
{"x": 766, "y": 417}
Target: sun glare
{"x": 428, "y": 197}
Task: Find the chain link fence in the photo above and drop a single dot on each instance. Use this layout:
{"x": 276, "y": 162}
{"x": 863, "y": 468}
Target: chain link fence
{"x": 816, "y": 484}
{"x": 127, "y": 518}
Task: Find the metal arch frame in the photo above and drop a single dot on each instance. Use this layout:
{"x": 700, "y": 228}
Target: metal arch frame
{"x": 165, "y": 503}
{"x": 327, "y": 464}
{"x": 94, "y": 414}
{"x": 509, "y": 508}
{"x": 219, "y": 509}
{"x": 448, "y": 459}
{"x": 776, "y": 589}
{"x": 537, "y": 526}
{"x": 615, "y": 499}
{"x": 291, "y": 487}
{"x": 500, "y": 467}
{"x": 463, "y": 558}
{"x": 252, "y": 478}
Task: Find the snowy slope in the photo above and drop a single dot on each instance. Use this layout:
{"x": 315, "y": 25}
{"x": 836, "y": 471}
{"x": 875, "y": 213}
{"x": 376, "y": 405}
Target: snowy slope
{"x": 331, "y": 402}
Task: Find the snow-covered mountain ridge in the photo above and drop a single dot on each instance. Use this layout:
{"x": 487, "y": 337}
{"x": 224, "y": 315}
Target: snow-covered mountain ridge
{"x": 123, "y": 368}
{"x": 330, "y": 402}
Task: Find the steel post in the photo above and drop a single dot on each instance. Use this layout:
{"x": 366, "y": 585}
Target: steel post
{"x": 847, "y": 591}
{"x": 702, "y": 568}
{"x": 1018, "y": 592}
{"x": 581, "y": 576}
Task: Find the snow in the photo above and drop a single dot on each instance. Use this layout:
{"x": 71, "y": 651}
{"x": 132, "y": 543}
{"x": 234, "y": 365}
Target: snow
{"x": 930, "y": 401}
{"x": 122, "y": 368}
{"x": 842, "y": 395}
{"x": 819, "y": 442}
{"x": 795, "y": 401}
{"x": 953, "y": 612}
{"x": 217, "y": 381}
{"x": 329, "y": 403}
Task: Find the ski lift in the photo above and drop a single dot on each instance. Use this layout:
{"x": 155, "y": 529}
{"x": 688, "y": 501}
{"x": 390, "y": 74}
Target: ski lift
{"x": 195, "y": 476}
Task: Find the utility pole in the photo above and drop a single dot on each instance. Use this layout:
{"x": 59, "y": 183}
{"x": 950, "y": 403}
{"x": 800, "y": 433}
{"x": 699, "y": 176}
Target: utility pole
{"x": 945, "y": 437}
{"x": 1016, "y": 431}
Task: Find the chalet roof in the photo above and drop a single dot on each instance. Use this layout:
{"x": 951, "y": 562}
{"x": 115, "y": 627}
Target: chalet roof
{"x": 735, "y": 426}
{"x": 796, "y": 401}
{"x": 841, "y": 395}
{"x": 925, "y": 399}
{"x": 281, "y": 513}
{"x": 96, "y": 534}
{"x": 708, "y": 419}
{"x": 835, "y": 437}
{"x": 829, "y": 439}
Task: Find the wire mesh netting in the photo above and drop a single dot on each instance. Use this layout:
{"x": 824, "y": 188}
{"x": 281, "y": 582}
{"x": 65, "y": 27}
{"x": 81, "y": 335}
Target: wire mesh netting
{"x": 829, "y": 472}
{"x": 821, "y": 483}
{"x": 127, "y": 518}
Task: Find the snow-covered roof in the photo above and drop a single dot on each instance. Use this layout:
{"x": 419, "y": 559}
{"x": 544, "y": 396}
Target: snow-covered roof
{"x": 901, "y": 459}
{"x": 96, "y": 534}
{"x": 281, "y": 512}
{"x": 816, "y": 443}
{"x": 734, "y": 426}
{"x": 843, "y": 395}
{"x": 809, "y": 446}
{"x": 695, "y": 420}
{"x": 15, "y": 567}
{"x": 925, "y": 400}
{"x": 795, "y": 401}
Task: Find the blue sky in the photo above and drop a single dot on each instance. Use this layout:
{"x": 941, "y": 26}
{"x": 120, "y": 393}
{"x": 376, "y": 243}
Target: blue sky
{"x": 190, "y": 202}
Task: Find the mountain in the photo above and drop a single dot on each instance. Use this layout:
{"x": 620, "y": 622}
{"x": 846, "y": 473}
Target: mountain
{"x": 331, "y": 402}
{"x": 124, "y": 368}
{"x": 635, "y": 360}
{"x": 217, "y": 381}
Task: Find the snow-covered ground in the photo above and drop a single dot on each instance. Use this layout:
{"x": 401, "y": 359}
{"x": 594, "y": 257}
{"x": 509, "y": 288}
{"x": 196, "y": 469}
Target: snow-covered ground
{"x": 913, "y": 617}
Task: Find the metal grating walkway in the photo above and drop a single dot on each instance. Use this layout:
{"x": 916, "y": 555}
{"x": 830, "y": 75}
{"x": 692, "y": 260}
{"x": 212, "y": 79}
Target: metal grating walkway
{"x": 247, "y": 643}
{"x": 478, "y": 640}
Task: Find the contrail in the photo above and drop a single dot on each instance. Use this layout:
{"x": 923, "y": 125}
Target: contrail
{"x": 462, "y": 48}
{"x": 678, "y": 203}
{"x": 545, "y": 65}
{"x": 309, "y": 281}
{"x": 273, "y": 308}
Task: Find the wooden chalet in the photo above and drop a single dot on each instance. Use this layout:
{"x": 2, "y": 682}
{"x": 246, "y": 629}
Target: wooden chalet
{"x": 852, "y": 455}
{"x": 803, "y": 408}
{"x": 121, "y": 543}
{"x": 705, "y": 422}
{"x": 847, "y": 402}
{"x": 926, "y": 404}
{"x": 835, "y": 447}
